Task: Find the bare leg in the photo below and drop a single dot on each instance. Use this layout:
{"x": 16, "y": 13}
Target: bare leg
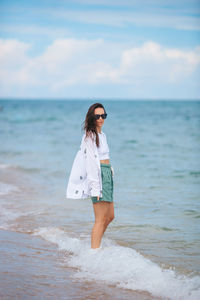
{"x": 104, "y": 214}
{"x": 97, "y": 233}
{"x": 110, "y": 215}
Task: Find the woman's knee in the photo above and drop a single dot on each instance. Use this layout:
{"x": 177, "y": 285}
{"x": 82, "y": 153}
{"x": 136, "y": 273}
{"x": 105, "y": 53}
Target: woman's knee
{"x": 101, "y": 221}
{"x": 111, "y": 218}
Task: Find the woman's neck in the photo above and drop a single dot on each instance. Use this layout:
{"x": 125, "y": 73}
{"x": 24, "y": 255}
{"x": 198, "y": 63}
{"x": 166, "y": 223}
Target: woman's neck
{"x": 98, "y": 130}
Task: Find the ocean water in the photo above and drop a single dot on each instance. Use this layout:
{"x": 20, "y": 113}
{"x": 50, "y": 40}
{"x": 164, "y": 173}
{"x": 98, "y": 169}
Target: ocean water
{"x": 151, "y": 250}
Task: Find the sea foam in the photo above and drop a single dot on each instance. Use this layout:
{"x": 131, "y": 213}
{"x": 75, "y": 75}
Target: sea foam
{"x": 6, "y": 188}
{"x": 121, "y": 266}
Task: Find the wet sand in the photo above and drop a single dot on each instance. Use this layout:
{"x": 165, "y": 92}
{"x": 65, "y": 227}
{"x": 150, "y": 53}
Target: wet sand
{"x": 33, "y": 268}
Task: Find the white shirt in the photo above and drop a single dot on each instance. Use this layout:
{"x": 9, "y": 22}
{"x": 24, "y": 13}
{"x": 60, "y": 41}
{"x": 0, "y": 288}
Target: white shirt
{"x": 103, "y": 148}
{"x": 85, "y": 177}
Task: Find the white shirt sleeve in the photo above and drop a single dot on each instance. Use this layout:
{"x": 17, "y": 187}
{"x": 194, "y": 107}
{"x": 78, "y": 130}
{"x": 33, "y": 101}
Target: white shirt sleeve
{"x": 92, "y": 167}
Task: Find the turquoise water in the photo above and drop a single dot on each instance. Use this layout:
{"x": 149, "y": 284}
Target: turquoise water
{"x": 155, "y": 153}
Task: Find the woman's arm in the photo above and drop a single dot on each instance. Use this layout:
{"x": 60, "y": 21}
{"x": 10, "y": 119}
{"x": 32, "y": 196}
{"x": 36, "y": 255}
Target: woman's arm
{"x": 92, "y": 167}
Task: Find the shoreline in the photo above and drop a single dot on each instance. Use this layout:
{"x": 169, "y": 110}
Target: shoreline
{"x": 34, "y": 267}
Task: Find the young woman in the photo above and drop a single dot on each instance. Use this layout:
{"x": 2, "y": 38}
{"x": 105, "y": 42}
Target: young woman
{"x": 92, "y": 173}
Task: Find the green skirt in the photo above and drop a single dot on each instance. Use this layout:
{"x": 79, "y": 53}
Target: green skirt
{"x": 107, "y": 184}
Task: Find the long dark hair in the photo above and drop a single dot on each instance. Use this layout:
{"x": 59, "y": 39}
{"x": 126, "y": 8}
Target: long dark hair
{"x": 90, "y": 122}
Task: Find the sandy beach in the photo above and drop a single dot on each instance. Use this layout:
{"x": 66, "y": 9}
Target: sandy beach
{"x": 33, "y": 268}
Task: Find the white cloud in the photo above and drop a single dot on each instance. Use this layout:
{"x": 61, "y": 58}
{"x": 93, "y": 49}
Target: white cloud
{"x": 13, "y": 57}
{"x": 13, "y": 53}
{"x": 159, "y": 18}
{"x": 72, "y": 62}
{"x": 155, "y": 62}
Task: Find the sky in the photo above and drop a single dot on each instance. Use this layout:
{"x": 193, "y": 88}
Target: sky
{"x": 108, "y": 49}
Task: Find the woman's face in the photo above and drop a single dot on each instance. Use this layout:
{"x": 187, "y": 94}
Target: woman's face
{"x": 99, "y": 122}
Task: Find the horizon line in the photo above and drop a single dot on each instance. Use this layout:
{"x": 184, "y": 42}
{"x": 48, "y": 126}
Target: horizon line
{"x": 96, "y": 98}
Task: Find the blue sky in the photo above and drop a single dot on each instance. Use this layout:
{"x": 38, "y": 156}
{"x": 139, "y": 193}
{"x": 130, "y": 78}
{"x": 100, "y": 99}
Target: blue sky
{"x": 100, "y": 49}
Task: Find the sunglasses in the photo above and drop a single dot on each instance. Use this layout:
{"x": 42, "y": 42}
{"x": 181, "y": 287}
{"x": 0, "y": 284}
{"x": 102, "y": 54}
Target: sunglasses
{"x": 98, "y": 116}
